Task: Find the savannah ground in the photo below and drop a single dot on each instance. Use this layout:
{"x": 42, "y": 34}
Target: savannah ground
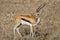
{"x": 47, "y": 29}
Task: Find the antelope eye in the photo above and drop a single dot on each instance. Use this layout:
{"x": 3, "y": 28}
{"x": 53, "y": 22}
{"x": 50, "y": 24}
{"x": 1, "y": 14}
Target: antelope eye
{"x": 37, "y": 14}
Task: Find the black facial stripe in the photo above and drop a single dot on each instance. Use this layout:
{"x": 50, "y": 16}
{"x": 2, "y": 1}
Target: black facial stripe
{"x": 25, "y": 20}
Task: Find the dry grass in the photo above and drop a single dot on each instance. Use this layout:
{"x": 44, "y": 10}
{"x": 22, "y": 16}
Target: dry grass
{"x": 47, "y": 29}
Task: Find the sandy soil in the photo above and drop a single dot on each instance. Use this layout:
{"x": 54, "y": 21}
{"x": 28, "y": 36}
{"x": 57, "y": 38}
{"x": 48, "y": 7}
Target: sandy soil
{"x": 47, "y": 29}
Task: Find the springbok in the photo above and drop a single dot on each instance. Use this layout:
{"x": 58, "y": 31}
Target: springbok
{"x": 24, "y": 19}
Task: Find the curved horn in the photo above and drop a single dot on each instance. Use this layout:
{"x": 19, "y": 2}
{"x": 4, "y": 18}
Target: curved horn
{"x": 40, "y": 7}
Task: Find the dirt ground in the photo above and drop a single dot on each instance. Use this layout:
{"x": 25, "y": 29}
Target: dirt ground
{"x": 47, "y": 29}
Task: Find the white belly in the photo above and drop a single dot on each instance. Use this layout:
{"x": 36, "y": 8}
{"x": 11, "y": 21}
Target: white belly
{"x": 24, "y": 22}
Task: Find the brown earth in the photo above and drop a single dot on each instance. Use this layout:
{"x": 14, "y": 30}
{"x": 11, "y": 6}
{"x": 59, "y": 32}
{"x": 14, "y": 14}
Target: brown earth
{"x": 47, "y": 29}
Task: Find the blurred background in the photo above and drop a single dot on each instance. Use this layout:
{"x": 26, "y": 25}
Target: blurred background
{"x": 47, "y": 29}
